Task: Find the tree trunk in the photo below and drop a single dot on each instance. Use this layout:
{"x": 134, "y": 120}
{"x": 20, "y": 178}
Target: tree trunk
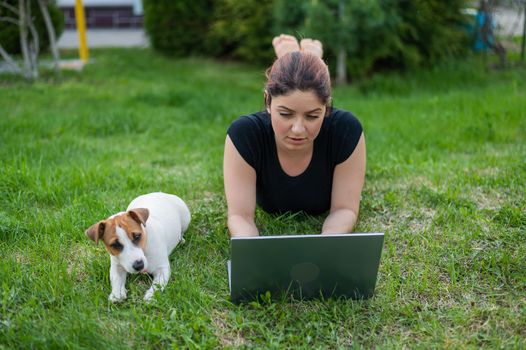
{"x": 34, "y": 44}
{"x": 52, "y": 37}
{"x": 341, "y": 64}
{"x": 341, "y": 67}
{"x": 488, "y": 35}
{"x": 523, "y": 34}
{"x": 22, "y": 25}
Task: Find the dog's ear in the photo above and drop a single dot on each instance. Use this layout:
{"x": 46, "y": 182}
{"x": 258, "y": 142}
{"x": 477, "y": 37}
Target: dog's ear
{"x": 140, "y": 215}
{"x": 96, "y": 231}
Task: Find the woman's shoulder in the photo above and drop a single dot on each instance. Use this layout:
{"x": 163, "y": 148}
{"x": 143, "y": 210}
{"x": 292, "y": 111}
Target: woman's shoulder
{"x": 251, "y": 135}
{"x": 342, "y": 122}
{"x": 340, "y": 116}
{"x": 343, "y": 131}
{"x": 258, "y": 120}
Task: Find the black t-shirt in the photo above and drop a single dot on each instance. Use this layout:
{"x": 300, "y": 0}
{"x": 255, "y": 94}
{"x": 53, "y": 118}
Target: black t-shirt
{"x": 277, "y": 192}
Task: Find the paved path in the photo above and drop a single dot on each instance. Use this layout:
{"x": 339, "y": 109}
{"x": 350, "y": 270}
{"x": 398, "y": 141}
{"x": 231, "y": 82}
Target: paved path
{"x": 95, "y": 38}
{"x": 105, "y": 38}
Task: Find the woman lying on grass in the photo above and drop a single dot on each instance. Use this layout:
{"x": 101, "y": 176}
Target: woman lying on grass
{"x": 300, "y": 154}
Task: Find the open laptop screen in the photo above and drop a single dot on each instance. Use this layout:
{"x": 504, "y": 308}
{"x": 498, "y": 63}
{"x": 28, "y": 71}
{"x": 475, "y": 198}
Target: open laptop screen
{"x": 306, "y": 266}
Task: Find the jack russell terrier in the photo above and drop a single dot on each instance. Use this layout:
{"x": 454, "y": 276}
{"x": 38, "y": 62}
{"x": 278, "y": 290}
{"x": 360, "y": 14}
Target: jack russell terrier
{"x": 141, "y": 240}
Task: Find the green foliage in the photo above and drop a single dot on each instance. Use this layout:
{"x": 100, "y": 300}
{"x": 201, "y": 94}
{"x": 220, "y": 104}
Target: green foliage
{"x": 365, "y": 29}
{"x": 380, "y": 34}
{"x": 376, "y": 34}
{"x": 178, "y": 28}
{"x": 434, "y": 28}
{"x": 242, "y": 29}
{"x": 289, "y": 16}
{"x": 9, "y": 32}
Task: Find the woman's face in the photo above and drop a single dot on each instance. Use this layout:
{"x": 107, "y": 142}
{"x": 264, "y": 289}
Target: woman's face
{"x": 296, "y": 119}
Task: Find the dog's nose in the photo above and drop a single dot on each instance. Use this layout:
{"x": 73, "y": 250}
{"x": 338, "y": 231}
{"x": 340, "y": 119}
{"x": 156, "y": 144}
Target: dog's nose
{"x": 138, "y": 265}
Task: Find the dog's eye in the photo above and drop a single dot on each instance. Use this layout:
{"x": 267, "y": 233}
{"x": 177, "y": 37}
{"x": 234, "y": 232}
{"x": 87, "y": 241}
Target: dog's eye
{"x": 136, "y": 237}
{"x": 116, "y": 245}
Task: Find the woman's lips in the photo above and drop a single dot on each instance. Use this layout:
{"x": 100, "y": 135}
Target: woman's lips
{"x": 297, "y": 140}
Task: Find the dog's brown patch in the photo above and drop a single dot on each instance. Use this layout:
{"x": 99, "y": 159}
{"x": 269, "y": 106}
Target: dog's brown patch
{"x": 132, "y": 228}
{"x": 130, "y": 222}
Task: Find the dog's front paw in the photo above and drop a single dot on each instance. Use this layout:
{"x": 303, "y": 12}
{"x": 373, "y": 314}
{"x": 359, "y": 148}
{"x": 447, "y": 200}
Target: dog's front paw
{"x": 116, "y": 297}
{"x": 149, "y": 294}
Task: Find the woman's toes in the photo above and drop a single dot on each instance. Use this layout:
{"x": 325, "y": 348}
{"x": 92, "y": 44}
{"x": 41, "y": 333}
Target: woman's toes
{"x": 305, "y": 42}
{"x": 287, "y": 37}
{"x": 312, "y": 46}
{"x": 284, "y": 44}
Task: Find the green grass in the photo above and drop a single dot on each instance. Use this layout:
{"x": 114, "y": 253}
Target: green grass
{"x": 446, "y": 182}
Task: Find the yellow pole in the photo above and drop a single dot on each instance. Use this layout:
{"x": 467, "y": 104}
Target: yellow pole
{"x": 81, "y": 29}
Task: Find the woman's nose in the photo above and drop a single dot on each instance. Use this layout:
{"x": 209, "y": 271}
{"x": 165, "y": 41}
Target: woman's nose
{"x": 297, "y": 126}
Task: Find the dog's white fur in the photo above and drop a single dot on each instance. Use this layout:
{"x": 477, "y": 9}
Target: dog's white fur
{"x": 168, "y": 218}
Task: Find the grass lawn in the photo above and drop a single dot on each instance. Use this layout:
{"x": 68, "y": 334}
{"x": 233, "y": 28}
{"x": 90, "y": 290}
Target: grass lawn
{"x": 446, "y": 182}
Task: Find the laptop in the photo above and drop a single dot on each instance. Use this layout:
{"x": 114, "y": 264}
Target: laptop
{"x": 304, "y": 266}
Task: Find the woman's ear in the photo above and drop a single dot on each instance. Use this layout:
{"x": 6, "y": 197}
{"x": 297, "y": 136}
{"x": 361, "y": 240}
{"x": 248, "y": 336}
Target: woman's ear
{"x": 268, "y": 99}
{"x": 328, "y": 107}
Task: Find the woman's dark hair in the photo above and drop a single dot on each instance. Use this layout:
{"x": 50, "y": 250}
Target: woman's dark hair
{"x": 298, "y": 71}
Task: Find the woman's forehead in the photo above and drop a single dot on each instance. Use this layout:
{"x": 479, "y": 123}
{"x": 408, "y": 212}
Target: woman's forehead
{"x": 298, "y": 100}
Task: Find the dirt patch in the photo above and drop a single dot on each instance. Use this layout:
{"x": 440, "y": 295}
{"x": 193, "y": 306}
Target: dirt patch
{"x": 486, "y": 199}
{"x": 227, "y": 336}
{"x": 21, "y": 259}
{"x": 76, "y": 259}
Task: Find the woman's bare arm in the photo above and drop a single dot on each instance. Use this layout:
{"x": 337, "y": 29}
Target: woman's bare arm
{"x": 240, "y": 191}
{"x": 348, "y": 181}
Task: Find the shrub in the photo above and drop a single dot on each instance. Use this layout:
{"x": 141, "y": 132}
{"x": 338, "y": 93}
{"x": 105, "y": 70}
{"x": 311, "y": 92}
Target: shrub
{"x": 9, "y": 32}
{"x": 384, "y": 34}
{"x": 243, "y": 29}
{"x": 240, "y": 29}
{"x": 436, "y": 28}
{"x": 179, "y": 27}
{"x": 289, "y": 16}
{"x": 375, "y": 34}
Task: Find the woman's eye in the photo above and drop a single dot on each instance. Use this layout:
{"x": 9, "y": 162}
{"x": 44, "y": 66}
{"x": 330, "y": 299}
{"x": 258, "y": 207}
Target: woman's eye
{"x": 116, "y": 245}
{"x": 312, "y": 116}
{"x": 286, "y": 115}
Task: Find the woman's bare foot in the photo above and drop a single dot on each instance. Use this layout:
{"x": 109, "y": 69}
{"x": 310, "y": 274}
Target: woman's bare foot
{"x": 313, "y": 47}
{"x": 283, "y": 44}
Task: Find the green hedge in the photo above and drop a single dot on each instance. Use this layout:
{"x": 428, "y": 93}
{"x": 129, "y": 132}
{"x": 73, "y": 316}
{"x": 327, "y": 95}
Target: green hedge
{"x": 178, "y": 27}
{"x": 242, "y": 29}
{"x": 388, "y": 34}
{"x": 376, "y": 34}
{"x": 9, "y": 32}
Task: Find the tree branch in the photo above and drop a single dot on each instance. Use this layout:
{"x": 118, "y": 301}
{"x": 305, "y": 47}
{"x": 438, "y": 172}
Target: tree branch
{"x": 10, "y": 62}
{"x": 9, "y": 7}
{"x": 51, "y": 35}
{"x": 9, "y": 20}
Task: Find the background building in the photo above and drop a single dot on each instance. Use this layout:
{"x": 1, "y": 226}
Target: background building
{"x": 105, "y": 13}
